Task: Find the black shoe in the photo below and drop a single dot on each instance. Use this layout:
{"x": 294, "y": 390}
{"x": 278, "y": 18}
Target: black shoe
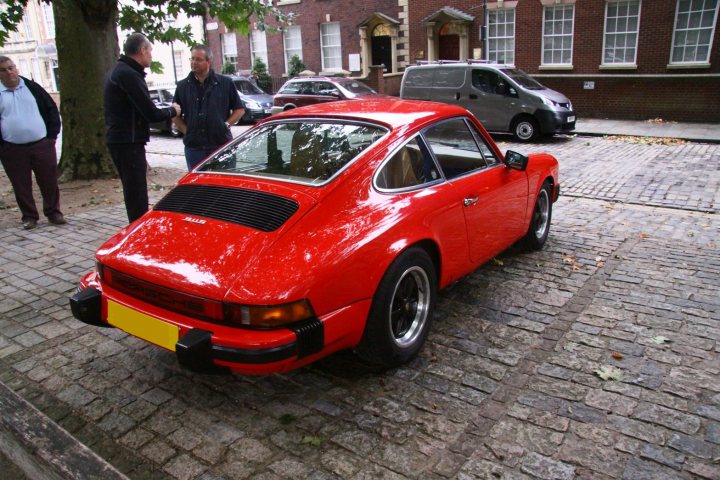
{"x": 58, "y": 219}
{"x": 29, "y": 224}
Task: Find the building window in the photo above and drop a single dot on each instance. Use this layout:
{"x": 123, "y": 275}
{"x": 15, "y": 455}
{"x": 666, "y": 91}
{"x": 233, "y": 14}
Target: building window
{"x": 622, "y": 22}
{"x": 330, "y": 46}
{"x": 229, "y": 46}
{"x": 49, "y": 18}
{"x": 694, "y": 29}
{"x": 178, "y": 56}
{"x": 292, "y": 39}
{"x": 258, "y": 47}
{"x": 501, "y": 36}
{"x": 558, "y": 34}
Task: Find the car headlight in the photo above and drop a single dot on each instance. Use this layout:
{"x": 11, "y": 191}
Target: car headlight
{"x": 267, "y": 316}
{"x": 252, "y": 104}
{"x": 549, "y": 102}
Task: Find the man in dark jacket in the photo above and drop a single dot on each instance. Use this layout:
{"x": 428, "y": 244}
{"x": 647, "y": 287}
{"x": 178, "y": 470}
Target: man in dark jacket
{"x": 210, "y": 103}
{"x": 128, "y": 112}
{"x": 29, "y": 126}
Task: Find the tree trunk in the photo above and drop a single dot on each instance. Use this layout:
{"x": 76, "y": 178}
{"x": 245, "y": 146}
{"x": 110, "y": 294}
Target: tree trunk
{"x": 87, "y": 45}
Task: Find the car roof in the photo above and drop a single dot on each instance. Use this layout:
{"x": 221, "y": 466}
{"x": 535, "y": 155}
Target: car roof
{"x": 390, "y": 111}
{"x": 323, "y": 79}
{"x": 459, "y": 64}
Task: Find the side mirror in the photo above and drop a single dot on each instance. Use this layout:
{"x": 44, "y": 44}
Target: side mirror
{"x": 512, "y": 92}
{"x": 516, "y": 161}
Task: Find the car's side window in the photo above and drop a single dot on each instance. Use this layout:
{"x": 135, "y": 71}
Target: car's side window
{"x": 326, "y": 88}
{"x": 486, "y": 81}
{"x": 455, "y": 148}
{"x": 410, "y": 166}
{"x": 487, "y": 152}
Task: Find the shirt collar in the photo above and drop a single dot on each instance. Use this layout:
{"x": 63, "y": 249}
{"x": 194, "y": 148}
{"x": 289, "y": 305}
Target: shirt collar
{"x": 19, "y": 86}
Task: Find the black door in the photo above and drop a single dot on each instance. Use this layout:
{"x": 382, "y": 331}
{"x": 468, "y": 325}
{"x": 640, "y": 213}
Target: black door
{"x": 382, "y": 52}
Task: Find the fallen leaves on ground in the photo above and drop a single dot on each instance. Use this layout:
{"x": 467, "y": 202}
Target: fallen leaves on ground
{"x": 617, "y": 356}
{"x": 572, "y": 261}
{"x": 647, "y": 140}
{"x": 609, "y": 373}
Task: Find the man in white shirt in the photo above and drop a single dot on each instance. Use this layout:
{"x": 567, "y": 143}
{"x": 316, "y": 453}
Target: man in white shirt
{"x": 29, "y": 126}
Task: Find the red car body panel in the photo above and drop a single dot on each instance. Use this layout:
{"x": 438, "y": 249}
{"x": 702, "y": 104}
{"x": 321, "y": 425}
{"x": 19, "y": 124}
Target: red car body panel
{"x": 336, "y": 247}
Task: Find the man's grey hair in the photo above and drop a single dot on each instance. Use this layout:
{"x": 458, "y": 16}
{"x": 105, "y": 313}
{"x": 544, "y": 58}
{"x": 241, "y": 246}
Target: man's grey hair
{"x": 4, "y": 59}
{"x": 204, "y": 48}
{"x": 134, "y": 43}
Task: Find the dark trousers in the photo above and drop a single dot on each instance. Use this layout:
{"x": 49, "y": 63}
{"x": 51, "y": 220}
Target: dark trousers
{"x": 20, "y": 162}
{"x": 129, "y": 159}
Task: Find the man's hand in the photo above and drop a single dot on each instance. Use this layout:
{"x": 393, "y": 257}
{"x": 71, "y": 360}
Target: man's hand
{"x": 176, "y": 106}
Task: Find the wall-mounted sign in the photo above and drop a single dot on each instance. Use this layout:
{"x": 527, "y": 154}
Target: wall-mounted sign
{"x": 590, "y": 85}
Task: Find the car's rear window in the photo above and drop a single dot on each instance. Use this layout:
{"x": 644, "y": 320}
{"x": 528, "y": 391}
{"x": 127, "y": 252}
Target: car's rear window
{"x": 356, "y": 87}
{"x": 308, "y": 151}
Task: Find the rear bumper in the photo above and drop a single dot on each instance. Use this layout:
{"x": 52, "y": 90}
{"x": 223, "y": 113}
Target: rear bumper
{"x": 197, "y": 350}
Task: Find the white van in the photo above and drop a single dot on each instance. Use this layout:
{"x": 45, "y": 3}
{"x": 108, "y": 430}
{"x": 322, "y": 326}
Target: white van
{"x": 503, "y": 98}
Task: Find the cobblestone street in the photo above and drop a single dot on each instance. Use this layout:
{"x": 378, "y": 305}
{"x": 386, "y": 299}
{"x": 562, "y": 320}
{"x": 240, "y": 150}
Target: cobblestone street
{"x": 508, "y": 385}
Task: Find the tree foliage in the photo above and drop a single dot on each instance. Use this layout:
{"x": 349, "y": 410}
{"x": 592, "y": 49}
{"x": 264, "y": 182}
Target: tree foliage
{"x": 264, "y": 80}
{"x": 295, "y": 66}
{"x": 87, "y": 44}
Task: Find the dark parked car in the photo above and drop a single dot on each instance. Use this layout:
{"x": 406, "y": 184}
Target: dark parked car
{"x": 163, "y": 97}
{"x": 257, "y": 103}
{"x": 303, "y": 91}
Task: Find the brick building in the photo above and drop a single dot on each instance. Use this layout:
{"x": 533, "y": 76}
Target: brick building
{"x": 614, "y": 58}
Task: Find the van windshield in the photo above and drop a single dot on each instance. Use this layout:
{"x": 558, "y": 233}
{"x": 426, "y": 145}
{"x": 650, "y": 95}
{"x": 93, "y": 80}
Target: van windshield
{"x": 522, "y": 79}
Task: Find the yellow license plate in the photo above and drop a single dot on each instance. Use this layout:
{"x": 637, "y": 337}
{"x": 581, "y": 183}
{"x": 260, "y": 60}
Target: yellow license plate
{"x": 143, "y": 326}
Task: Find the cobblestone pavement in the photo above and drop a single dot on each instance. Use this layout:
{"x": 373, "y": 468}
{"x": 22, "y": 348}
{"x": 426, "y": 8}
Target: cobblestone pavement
{"x": 506, "y": 387}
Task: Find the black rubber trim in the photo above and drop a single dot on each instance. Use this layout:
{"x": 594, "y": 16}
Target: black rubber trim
{"x": 255, "y": 356}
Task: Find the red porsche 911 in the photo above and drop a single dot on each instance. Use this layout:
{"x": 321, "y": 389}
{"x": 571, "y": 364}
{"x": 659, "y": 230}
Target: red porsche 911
{"x": 321, "y": 229}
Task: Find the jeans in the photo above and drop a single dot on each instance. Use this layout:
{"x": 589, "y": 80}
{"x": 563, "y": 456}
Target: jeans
{"x": 129, "y": 159}
{"x": 20, "y": 162}
{"x": 193, "y": 156}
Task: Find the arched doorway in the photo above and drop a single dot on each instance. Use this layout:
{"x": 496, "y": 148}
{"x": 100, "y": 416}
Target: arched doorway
{"x": 381, "y": 46}
{"x": 449, "y": 42}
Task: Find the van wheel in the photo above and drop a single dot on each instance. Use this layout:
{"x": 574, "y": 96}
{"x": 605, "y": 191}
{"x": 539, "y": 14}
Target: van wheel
{"x": 526, "y": 129}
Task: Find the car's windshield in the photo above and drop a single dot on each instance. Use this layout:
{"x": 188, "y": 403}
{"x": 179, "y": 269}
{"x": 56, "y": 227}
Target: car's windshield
{"x": 356, "y": 88}
{"x": 308, "y": 151}
{"x": 522, "y": 79}
{"x": 247, "y": 88}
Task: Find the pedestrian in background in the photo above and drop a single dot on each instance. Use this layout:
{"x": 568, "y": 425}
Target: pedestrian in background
{"x": 128, "y": 112}
{"x": 29, "y": 126}
{"x": 210, "y": 104}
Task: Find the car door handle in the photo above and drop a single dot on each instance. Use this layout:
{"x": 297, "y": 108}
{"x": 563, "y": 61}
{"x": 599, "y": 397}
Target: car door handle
{"x": 457, "y": 95}
{"x": 471, "y": 200}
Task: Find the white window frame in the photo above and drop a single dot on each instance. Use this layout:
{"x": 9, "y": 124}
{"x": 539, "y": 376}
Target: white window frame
{"x": 229, "y": 47}
{"x": 291, "y": 50}
{"x": 677, "y": 32}
{"x": 618, "y": 34}
{"x": 561, "y": 35}
{"x": 49, "y": 19}
{"x": 493, "y": 54}
{"x": 325, "y": 38}
{"x": 258, "y": 47}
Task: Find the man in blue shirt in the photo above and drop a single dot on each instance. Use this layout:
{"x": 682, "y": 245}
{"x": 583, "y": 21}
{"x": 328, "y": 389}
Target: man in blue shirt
{"x": 210, "y": 104}
{"x": 29, "y": 126}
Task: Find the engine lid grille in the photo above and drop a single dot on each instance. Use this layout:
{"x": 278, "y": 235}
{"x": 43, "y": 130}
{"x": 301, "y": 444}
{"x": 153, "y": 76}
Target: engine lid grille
{"x": 259, "y": 210}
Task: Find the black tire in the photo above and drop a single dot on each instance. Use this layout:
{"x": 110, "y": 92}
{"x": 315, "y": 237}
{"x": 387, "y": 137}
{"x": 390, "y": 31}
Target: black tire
{"x": 401, "y": 311}
{"x": 539, "y": 228}
{"x": 526, "y": 129}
